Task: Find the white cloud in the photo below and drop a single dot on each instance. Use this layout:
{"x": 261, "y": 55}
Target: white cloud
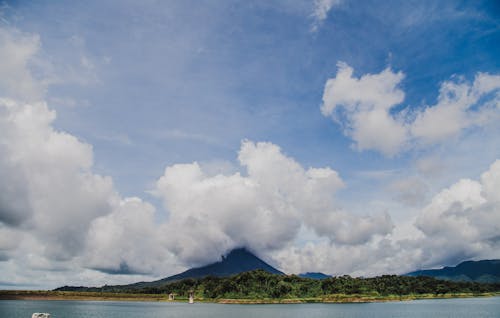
{"x": 263, "y": 210}
{"x": 57, "y": 214}
{"x": 47, "y": 187}
{"x": 377, "y": 257}
{"x": 364, "y": 106}
{"x": 456, "y": 109}
{"x": 321, "y": 10}
{"x": 27, "y": 73}
{"x": 369, "y": 92}
{"x": 441, "y": 215}
{"x": 127, "y": 241}
{"x": 48, "y": 184}
{"x": 463, "y": 221}
{"x": 18, "y": 51}
{"x": 490, "y": 181}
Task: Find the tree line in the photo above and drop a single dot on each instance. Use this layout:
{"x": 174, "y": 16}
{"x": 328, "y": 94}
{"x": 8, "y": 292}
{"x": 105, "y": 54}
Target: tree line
{"x": 259, "y": 284}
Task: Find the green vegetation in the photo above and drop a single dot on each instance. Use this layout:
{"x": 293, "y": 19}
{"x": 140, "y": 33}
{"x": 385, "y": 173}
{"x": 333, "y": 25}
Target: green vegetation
{"x": 260, "y": 286}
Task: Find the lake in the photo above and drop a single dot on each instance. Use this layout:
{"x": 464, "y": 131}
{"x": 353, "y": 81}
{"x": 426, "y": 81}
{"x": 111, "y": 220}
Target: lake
{"x": 469, "y": 307}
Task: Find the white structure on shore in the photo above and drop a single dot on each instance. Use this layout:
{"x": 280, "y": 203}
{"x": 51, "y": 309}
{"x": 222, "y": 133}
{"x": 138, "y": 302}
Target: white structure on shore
{"x": 191, "y": 297}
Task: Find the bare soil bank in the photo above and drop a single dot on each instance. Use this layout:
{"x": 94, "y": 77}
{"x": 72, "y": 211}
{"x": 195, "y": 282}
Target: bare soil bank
{"x": 336, "y": 298}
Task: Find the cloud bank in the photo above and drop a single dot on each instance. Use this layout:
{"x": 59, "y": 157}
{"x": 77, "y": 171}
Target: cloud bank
{"x": 263, "y": 209}
{"x": 460, "y": 222}
{"x": 59, "y": 216}
{"x": 50, "y": 193}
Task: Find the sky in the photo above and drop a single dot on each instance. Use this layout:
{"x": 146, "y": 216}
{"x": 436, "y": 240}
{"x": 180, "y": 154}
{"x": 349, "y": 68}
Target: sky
{"x": 138, "y": 139}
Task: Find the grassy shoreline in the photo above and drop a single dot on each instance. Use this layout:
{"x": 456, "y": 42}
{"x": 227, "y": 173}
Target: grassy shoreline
{"x": 335, "y": 298}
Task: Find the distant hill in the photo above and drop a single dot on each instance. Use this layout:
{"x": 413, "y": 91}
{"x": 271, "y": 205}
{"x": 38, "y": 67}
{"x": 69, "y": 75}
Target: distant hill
{"x": 237, "y": 261}
{"x": 485, "y": 271}
{"x": 314, "y": 275}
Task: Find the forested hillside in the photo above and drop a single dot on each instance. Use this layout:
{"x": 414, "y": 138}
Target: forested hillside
{"x": 259, "y": 284}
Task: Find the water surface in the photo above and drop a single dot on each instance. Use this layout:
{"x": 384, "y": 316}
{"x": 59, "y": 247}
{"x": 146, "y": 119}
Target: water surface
{"x": 456, "y": 308}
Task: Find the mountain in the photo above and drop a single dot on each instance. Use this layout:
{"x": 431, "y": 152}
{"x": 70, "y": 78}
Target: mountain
{"x": 237, "y": 261}
{"x": 314, "y": 275}
{"x": 485, "y": 271}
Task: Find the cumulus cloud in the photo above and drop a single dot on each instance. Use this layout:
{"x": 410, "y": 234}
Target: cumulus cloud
{"x": 51, "y": 198}
{"x": 365, "y": 106}
{"x": 127, "y": 241}
{"x": 458, "y": 108}
{"x": 48, "y": 188}
{"x": 263, "y": 209}
{"x": 49, "y": 185}
{"x": 362, "y": 106}
{"x": 55, "y": 211}
{"x": 463, "y": 221}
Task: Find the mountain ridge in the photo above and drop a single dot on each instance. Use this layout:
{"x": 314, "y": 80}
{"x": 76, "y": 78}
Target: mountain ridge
{"x": 482, "y": 271}
{"x": 237, "y": 261}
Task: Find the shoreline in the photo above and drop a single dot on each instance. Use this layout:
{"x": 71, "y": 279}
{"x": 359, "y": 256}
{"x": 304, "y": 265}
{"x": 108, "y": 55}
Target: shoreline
{"x": 336, "y": 298}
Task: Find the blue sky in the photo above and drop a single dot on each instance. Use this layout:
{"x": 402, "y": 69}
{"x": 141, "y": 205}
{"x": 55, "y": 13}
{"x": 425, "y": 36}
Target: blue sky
{"x": 237, "y": 86}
